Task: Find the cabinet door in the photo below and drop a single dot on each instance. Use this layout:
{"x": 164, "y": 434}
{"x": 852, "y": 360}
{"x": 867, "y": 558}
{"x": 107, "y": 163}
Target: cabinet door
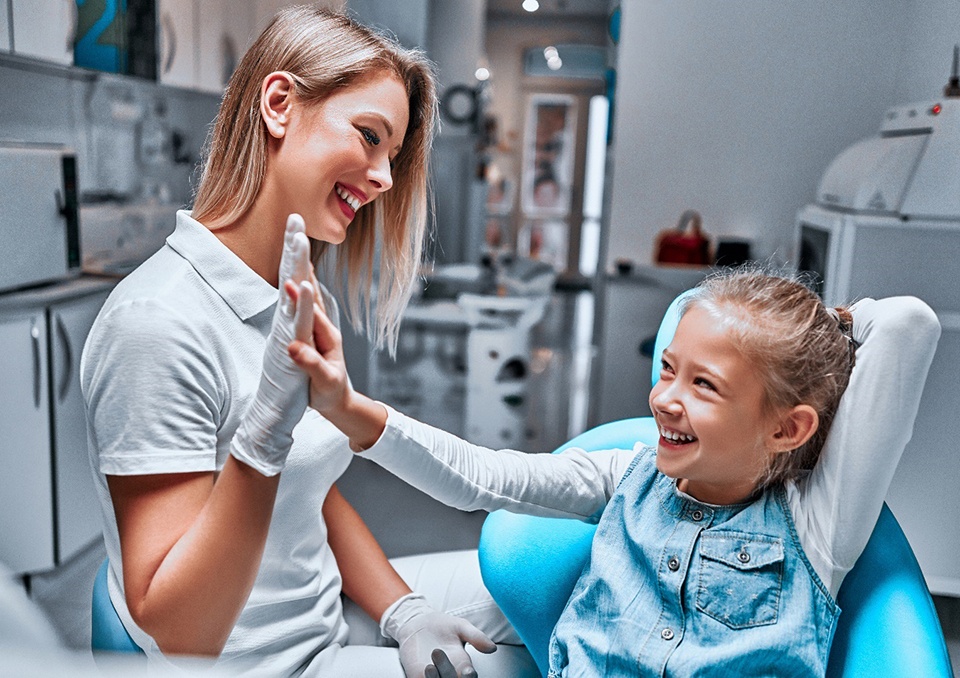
{"x": 76, "y": 505}
{"x": 177, "y": 25}
{"x": 225, "y": 33}
{"x": 26, "y": 523}
{"x": 45, "y": 29}
{"x": 4, "y": 25}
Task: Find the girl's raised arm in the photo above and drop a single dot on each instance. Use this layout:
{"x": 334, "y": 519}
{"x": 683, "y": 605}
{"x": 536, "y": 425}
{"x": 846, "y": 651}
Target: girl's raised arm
{"x": 837, "y": 506}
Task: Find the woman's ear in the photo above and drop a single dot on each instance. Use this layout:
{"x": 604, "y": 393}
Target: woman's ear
{"x": 276, "y": 102}
{"x": 796, "y": 426}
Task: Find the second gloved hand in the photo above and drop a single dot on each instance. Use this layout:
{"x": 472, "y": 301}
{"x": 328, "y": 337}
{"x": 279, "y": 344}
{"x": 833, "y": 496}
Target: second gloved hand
{"x": 420, "y": 630}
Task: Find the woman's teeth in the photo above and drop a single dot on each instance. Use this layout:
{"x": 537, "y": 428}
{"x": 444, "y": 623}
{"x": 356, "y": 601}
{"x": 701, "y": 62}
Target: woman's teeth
{"x": 674, "y": 437}
{"x": 348, "y": 198}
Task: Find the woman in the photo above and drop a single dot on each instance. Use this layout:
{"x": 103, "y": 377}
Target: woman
{"x": 194, "y": 408}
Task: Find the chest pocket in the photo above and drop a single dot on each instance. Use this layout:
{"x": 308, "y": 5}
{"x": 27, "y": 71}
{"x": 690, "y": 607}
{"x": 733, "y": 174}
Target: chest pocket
{"x": 740, "y": 578}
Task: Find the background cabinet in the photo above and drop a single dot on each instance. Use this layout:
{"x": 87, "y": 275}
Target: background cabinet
{"x": 46, "y": 484}
{"x": 45, "y": 29}
{"x": 4, "y": 25}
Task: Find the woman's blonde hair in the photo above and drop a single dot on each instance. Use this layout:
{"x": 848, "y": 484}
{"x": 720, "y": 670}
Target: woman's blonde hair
{"x": 326, "y": 52}
{"x": 803, "y": 351}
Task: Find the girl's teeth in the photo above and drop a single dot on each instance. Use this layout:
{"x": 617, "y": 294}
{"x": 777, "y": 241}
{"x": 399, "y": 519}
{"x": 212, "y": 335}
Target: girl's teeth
{"x": 349, "y": 199}
{"x": 677, "y": 437}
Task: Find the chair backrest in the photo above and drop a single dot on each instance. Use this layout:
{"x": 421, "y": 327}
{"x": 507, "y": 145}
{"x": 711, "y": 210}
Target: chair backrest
{"x": 107, "y": 633}
{"x": 889, "y": 626}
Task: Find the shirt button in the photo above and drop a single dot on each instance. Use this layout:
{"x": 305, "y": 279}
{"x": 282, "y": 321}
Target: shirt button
{"x": 667, "y": 634}
{"x": 743, "y": 557}
{"x": 673, "y": 564}
{"x": 697, "y": 515}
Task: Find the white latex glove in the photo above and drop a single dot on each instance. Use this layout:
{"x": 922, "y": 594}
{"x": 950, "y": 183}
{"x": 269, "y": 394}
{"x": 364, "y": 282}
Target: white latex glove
{"x": 431, "y": 642}
{"x": 265, "y": 434}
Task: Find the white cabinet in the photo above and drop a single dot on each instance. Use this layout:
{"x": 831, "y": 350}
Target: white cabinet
{"x": 44, "y": 29}
{"x": 177, "y": 49}
{"x": 4, "y": 25}
{"x": 225, "y": 32}
{"x": 50, "y": 506}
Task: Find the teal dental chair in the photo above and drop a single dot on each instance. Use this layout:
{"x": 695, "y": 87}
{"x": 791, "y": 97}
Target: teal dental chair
{"x": 888, "y": 627}
{"x": 107, "y": 631}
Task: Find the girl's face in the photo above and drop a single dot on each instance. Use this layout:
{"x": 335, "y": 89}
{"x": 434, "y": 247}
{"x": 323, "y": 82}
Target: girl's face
{"x": 708, "y": 404}
{"x": 335, "y": 156}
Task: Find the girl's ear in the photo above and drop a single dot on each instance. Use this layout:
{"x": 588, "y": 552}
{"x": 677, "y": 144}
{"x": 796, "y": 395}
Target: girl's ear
{"x": 276, "y": 102}
{"x": 795, "y": 427}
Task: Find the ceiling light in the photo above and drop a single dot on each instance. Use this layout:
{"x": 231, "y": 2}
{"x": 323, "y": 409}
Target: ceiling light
{"x": 531, "y": 5}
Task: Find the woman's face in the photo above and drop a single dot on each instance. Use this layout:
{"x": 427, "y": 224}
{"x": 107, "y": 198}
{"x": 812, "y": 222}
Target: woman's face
{"x": 335, "y": 156}
{"x": 708, "y": 403}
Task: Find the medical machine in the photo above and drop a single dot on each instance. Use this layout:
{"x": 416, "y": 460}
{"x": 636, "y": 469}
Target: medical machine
{"x": 887, "y": 222}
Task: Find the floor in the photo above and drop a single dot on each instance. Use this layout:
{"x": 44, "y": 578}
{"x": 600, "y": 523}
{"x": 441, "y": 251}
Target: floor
{"x": 560, "y": 363}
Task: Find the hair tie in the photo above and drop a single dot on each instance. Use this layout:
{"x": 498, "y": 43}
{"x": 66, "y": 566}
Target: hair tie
{"x": 844, "y": 320}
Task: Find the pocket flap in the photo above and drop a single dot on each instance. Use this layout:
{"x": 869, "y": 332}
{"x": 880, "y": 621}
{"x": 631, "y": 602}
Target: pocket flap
{"x": 741, "y": 550}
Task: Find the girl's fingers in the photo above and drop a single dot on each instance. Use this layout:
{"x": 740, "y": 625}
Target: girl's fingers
{"x": 326, "y": 336}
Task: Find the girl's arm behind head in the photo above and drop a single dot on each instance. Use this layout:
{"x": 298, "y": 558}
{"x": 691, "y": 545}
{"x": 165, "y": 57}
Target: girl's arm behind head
{"x": 838, "y": 504}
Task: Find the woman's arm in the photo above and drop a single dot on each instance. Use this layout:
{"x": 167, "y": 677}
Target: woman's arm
{"x": 191, "y": 548}
{"x": 837, "y": 506}
{"x": 368, "y": 578}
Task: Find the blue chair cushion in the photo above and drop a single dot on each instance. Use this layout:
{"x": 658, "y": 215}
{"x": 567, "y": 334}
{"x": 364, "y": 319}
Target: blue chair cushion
{"x": 108, "y": 633}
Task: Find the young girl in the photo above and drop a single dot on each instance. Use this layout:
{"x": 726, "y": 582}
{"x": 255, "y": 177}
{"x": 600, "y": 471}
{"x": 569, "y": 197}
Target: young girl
{"x": 720, "y": 551}
{"x": 225, "y": 533}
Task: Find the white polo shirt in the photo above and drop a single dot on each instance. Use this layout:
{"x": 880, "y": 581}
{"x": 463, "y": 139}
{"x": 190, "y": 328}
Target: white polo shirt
{"x": 168, "y": 370}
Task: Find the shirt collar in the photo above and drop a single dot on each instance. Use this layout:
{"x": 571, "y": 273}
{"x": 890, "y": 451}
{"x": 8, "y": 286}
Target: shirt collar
{"x": 245, "y": 292}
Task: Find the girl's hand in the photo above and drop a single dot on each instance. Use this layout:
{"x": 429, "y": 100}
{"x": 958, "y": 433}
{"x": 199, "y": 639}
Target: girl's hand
{"x": 324, "y": 364}
{"x": 361, "y": 419}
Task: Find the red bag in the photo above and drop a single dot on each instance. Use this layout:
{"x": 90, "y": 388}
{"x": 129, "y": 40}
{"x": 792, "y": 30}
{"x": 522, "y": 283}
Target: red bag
{"x": 686, "y": 244}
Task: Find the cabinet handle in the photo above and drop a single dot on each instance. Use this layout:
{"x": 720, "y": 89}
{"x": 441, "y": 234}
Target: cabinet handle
{"x": 68, "y": 354}
{"x": 167, "y": 27}
{"x": 35, "y": 340}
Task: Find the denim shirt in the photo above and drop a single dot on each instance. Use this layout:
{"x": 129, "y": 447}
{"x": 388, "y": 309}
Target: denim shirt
{"x": 675, "y": 587}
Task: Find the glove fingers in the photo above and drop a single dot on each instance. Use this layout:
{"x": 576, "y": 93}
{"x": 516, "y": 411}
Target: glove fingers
{"x": 471, "y": 634}
{"x": 442, "y": 665}
{"x": 303, "y": 320}
{"x": 431, "y": 672}
{"x": 295, "y": 258}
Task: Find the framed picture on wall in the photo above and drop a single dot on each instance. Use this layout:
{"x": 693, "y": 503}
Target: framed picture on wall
{"x": 548, "y": 152}
{"x": 545, "y": 241}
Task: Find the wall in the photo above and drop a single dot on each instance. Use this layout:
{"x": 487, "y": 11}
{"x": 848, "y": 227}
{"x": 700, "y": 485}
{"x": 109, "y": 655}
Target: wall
{"x": 737, "y": 108}
{"x": 932, "y": 29}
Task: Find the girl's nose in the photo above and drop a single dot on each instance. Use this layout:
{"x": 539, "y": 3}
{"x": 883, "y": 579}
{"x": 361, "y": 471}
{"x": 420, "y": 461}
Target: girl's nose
{"x": 665, "y": 399}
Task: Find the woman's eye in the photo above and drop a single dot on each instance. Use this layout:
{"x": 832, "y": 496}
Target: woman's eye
{"x": 370, "y": 136}
{"x": 665, "y": 366}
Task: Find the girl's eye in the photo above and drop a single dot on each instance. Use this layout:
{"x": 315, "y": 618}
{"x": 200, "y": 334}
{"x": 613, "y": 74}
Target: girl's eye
{"x": 703, "y": 382}
{"x": 370, "y": 136}
{"x": 665, "y": 366}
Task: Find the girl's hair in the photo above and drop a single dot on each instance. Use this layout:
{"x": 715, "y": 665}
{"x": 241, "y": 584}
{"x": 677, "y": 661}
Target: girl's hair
{"x": 803, "y": 351}
{"x": 326, "y": 52}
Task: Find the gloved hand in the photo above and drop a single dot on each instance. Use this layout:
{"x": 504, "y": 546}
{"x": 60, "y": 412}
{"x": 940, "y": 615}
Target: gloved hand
{"x": 431, "y": 642}
{"x": 265, "y": 434}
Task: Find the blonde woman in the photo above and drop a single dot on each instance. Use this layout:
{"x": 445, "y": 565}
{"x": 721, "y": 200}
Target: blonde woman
{"x": 225, "y": 533}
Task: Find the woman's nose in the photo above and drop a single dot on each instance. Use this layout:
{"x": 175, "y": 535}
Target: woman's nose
{"x": 380, "y": 175}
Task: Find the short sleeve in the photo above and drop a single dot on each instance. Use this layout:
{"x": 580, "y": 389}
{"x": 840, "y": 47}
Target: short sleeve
{"x": 153, "y": 391}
